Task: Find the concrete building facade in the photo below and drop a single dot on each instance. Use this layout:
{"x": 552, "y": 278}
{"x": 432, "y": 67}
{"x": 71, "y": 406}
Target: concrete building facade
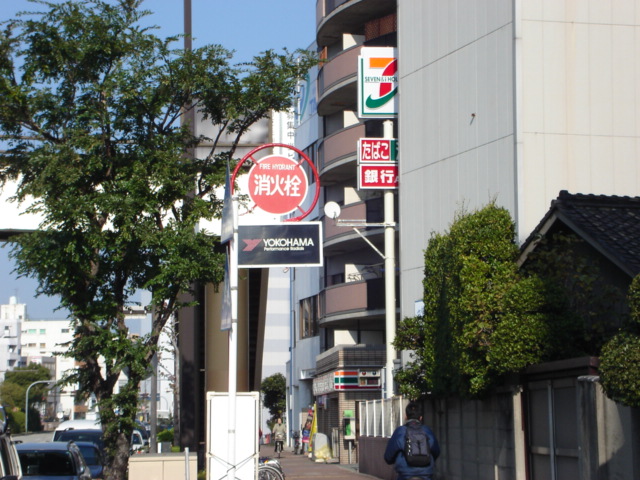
{"x": 512, "y": 101}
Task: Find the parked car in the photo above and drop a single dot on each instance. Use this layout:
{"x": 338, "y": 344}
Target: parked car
{"x": 52, "y": 460}
{"x": 9, "y": 462}
{"x": 94, "y": 457}
{"x": 95, "y": 436}
{"x": 79, "y": 435}
{"x": 76, "y": 425}
{"x": 144, "y": 431}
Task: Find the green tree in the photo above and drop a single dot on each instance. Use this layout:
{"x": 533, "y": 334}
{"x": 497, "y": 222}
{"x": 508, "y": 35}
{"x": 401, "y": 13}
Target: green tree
{"x": 273, "y": 389}
{"x": 95, "y": 113}
{"x": 13, "y": 392}
{"x": 482, "y": 318}
{"x": 620, "y": 356}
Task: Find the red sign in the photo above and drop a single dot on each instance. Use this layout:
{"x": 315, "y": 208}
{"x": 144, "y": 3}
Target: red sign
{"x": 377, "y": 176}
{"x": 277, "y": 184}
{"x": 377, "y": 150}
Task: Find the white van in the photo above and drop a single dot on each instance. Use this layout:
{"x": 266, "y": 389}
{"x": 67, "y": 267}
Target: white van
{"x": 76, "y": 425}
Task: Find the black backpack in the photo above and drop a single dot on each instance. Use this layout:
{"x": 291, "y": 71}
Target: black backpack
{"x": 417, "y": 451}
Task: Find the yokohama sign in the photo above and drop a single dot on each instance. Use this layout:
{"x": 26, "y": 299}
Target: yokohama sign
{"x": 283, "y": 244}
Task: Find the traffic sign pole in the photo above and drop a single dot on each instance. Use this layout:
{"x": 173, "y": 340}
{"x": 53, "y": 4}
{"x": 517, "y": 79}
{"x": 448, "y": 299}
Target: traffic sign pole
{"x": 389, "y": 276}
{"x": 233, "y": 344}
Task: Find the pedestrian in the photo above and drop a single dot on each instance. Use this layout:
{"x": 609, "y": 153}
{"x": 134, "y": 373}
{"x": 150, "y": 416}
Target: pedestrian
{"x": 407, "y": 463}
{"x": 280, "y": 434}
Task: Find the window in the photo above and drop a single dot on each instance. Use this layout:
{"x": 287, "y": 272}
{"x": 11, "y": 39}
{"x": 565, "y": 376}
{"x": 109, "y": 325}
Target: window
{"x": 309, "y": 317}
{"x": 65, "y": 330}
{"x": 43, "y": 331}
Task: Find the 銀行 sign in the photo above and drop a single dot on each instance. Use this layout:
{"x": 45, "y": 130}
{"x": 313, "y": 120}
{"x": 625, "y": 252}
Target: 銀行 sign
{"x": 377, "y": 176}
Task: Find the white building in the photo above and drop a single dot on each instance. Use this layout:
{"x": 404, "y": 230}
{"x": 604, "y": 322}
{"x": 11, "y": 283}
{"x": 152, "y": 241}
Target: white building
{"x": 11, "y": 315}
{"x": 42, "y": 343}
{"x": 515, "y": 102}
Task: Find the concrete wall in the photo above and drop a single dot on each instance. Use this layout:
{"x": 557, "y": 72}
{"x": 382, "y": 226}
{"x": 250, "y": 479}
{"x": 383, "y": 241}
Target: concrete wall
{"x": 167, "y": 466}
{"x": 372, "y": 460}
{"x": 476, "y": 437}
{"x": 610, "y": 435}
{"x": 486, "y": 439}
{"x": 476, "y": 440}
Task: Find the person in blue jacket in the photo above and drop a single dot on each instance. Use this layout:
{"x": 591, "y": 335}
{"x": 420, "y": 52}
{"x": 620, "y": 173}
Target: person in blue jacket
{"x": 394, "y": 453}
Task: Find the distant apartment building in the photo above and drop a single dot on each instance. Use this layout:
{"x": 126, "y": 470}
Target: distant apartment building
{"x": 43, "y": 342}
{"x": 11, "y": 315}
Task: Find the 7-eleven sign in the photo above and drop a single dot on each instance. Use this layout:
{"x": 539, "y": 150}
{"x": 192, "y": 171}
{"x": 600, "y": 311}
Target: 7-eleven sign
{"x": 378, "y": 82}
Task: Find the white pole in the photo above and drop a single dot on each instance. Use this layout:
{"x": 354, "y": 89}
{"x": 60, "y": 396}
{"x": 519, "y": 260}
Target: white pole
{"x": 187, "y": 475}
{"x": 389, "y": 275}
{"x": 233, "y": 345}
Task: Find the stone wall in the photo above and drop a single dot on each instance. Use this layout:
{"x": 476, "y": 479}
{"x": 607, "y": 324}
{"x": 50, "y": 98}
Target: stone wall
{"x": 372, "y": 458}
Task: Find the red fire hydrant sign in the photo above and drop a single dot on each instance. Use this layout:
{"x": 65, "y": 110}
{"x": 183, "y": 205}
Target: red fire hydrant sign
{"x": 278, "y": 184}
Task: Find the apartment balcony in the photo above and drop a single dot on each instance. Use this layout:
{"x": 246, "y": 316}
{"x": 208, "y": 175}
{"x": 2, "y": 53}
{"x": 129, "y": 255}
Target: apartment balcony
{"x": 337, "y": 83}
{"x": 334, "y": 17}
{"x": 350, "y": 356}
{"x": 337, "y": 154}
{"x": 347, "y": 304}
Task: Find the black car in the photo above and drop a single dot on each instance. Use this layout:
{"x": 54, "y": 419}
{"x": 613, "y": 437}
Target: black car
{"x": 52, "y": 460}
{"x": 94, "y": 457}
{"x": 9, "y": 462}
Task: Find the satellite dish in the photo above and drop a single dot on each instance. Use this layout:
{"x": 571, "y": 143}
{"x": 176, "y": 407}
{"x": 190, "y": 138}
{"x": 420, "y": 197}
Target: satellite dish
{"x": 332, "y": 210}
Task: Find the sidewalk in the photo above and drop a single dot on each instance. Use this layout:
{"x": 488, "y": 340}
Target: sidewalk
{"x": 299, "y": 467}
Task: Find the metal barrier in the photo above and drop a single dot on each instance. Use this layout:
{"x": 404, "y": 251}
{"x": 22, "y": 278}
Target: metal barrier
{"x": 379, "y": 418}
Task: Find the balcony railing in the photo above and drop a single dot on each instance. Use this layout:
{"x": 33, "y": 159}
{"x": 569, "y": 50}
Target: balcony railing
{"x": 364, "y": 298}
{"x": 340, "y": 145}
{"x": 339, "y": 69}
{"x": 353, "y": 297}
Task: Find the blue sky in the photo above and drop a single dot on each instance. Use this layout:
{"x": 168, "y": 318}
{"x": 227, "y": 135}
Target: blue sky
{"x": 246, "y": 26}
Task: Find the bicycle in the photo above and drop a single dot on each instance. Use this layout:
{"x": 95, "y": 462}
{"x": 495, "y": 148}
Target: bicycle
{"x": 269, "y": 469}
{"x": 279, "y": 444}
{"x": 297, "y": 447}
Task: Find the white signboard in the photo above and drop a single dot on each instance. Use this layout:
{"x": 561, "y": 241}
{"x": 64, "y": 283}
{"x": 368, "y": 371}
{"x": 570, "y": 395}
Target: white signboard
{"x": 378, "y": 82}
{"x": 246, "y": 448}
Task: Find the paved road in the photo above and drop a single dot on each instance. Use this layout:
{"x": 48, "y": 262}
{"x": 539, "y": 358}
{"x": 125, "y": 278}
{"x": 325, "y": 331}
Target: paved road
{"x": 301, "y": 467}
{"x": 33, "y": 437}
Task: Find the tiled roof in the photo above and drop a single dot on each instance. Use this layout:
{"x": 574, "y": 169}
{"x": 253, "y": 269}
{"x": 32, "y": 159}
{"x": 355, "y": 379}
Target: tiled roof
{"x": 610, "y": 224}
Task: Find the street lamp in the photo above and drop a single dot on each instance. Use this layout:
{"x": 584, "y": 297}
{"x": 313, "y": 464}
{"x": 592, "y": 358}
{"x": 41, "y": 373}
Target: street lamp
{"x": 26, "y": 403}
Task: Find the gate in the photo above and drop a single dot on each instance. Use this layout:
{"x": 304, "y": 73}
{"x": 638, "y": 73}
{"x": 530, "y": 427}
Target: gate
{"x": 553, "y": 439}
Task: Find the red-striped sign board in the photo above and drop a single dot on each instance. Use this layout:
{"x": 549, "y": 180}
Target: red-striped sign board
{"x": 376, "y": 176}
{"x": 374, "y": 150}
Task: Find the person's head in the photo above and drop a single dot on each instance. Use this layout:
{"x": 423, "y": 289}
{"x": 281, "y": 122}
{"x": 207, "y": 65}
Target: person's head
{"x": 413, "y": 411}
{"x": 279, "y": 420}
